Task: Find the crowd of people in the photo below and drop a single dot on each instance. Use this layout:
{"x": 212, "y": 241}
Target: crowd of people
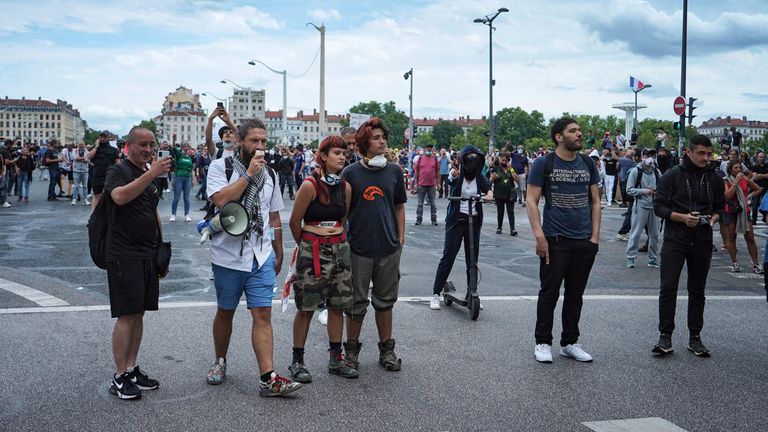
{"x": 348, "y": 222}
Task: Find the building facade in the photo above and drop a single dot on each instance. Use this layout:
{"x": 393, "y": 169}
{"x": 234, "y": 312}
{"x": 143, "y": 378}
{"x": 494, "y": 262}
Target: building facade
{"x": 36, "y": 121}
{"x": 424, "y": 125}
{"x": 752, "y": 130}
{"x": 183, "y": 116}
{"x": 247, "y": 103}
{"x": 310, "y": 126}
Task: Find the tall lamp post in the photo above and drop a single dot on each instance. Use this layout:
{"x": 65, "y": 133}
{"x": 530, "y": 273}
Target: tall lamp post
{"x": 248, "y": 89}
{"x": 488, "y": 20}
{"x": 683, "y": 56}
{"x": 321, "y": 118}
{"x": 209, "y": 94}
{"x": 409, "y": 75}
{"x": 634, "y": 123}
{"x": 285, "y": 96}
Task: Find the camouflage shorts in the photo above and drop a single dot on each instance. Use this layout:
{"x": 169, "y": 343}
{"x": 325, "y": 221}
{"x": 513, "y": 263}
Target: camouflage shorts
{"x": 333, "y": 287}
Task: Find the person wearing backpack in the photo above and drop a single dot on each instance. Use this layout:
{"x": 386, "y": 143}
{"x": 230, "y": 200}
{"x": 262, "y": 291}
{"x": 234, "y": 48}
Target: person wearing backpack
{"x": 641, "y": 184}
{"x": 567, "y": 240}
{"x": 133, "y": 234}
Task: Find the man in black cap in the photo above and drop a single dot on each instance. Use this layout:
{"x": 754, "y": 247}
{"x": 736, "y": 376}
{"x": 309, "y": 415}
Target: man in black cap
{"x": 227, "y": 135}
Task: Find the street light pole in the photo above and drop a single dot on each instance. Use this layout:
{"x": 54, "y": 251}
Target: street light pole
{"x": 409, "y": 75}
{"x": 488, "y": 20}
{"x": 681, "y": 139}
{"x": 321, "y": 119}
{"x": 248, "y": 89}
{"x": 284, "y": 73}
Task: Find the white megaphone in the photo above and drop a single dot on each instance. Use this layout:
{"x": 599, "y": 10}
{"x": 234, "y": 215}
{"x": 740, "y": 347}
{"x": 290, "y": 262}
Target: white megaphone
{"x": 232, "y": 219}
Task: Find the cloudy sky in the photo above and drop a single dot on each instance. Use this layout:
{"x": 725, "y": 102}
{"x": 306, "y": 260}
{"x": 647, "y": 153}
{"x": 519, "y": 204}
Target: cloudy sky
{"x": 116, "y": 60}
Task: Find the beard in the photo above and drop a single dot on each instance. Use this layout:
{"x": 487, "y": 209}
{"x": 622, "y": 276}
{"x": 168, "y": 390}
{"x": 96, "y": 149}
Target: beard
{"x": 246, "y": 156}
{"x": 574, "y": 145}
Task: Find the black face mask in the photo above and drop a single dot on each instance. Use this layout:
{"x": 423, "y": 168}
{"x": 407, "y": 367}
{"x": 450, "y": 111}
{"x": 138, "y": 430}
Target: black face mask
{"x": 472, "y": 167}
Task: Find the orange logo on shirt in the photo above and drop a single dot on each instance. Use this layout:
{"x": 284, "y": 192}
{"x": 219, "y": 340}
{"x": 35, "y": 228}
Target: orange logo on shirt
{"x": 371, "y": 191}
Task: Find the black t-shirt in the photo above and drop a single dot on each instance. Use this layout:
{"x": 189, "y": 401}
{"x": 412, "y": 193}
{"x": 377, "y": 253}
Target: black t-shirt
{"x": 5, "y": 154}
{"x": 104, "y": 158}
{"x": 372, "y": 223}
{"x": 611, "y": 166}
{"x": 51, "y": 157}
{"x": 737, "y": 137}
{"x": 132, "y": 232}
{"x": 758, "y": 169}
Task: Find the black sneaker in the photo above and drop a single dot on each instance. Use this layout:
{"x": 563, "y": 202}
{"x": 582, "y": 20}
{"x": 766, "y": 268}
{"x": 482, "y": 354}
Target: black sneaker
{"x": 142, "y": 380}
{"x": 664, "y": 346}
{"x": 124, "y": 388}
{"x": 697, "y": 348}
{"x": 498, "y": 230}
{"x": 513, "y": 232}
{"x": 418, "y": 222}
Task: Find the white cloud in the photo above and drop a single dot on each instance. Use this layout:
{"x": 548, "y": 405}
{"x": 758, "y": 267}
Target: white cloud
{"x": 324, "y": 14}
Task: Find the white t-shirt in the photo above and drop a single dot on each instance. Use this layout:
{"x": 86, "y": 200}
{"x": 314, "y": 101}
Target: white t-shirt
{"x": 225, "y": 249}
{"x": 468, "y": 189}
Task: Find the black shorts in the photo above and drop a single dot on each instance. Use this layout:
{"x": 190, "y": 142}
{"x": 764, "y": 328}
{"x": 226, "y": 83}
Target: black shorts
{"x": 70, "y": 177}
{"x": 98, "y": 185}
{"x": 134, "y": 286}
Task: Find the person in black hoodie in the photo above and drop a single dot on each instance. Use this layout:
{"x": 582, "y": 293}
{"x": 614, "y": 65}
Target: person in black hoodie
{"x": 690, "y": 199}
{"x": 464, "y": 182}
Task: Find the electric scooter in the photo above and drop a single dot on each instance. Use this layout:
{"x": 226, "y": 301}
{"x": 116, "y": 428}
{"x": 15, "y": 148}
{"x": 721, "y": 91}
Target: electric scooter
{"x": 471, "y": 300}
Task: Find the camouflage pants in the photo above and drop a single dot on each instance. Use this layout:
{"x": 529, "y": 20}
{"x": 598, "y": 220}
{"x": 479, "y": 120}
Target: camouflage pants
{"x": 333, "y": 287}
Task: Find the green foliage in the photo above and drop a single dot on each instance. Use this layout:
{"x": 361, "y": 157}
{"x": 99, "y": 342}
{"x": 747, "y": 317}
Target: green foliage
{"x": 424, "y": 138}
{"x": 91, "y": 136}
{"x": 444, "y": 131}
{"x": 396, "y": 121}
{"x": 344, "y": 122}
{"x": 517, "y": 125}
{"x": 149, "y": 124}
{"x": 752, "y": 146}
{"x": 535, "y": 143}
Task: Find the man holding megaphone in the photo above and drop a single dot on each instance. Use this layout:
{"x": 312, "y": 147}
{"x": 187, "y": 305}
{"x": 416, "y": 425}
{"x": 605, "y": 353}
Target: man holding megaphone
{"x": 241, "y": 186}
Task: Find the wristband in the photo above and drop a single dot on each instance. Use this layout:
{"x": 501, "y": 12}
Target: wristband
{"x": 248, "y": 178}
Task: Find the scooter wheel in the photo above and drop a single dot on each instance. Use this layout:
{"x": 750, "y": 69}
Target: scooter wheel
{"x": 474, "y": 308}
{"x": 447, "y": 300}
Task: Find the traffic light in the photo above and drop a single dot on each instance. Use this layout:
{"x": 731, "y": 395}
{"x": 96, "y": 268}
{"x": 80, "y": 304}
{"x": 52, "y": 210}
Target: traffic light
{"x": 676, "y": 125}
{"x": 487, "y": 134}
{"x": 691, "y": 100}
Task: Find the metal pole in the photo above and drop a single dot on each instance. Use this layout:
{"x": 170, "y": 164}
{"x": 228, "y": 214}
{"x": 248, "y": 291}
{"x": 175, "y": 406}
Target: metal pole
{"x": 410, "y": 117}
{"x": 681, "y": 140}
{"x": 323, "y": 127}
{"x": 634, "y": 121}
{"x": 285, "y": 107}
{"x": 490, "y": 87}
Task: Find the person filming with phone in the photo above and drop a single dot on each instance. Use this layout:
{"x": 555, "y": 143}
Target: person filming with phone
{"x": 690, "y": 199}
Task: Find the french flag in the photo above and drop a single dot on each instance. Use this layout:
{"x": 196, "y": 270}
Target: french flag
{"x": 636, "y": 84}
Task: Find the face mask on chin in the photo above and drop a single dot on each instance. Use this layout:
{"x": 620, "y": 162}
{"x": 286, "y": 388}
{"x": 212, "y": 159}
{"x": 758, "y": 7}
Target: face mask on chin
{"x": 377, "y": 161}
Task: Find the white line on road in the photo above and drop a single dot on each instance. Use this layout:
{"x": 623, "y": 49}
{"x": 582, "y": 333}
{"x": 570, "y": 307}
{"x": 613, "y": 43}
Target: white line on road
{"x": 31, "y": 294}
{"x": 175, "y": 304}
{"x": 650, "y": 424}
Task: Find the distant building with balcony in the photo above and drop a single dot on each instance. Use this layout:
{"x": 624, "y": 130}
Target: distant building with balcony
{"x": 752, "y": 130}
{"x": 38, "y": 120}
{"x": 247, "y": 103}
{"x": 182, "y": 115}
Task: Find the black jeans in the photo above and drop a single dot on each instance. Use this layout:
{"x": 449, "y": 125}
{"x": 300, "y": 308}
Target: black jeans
{"x": 756, "y": 200}
{"x": 510, "y": 205}
{"x": 286, "y": 180}
{"x": 445, "y": 188}
{"x": 53, "y": 180}
{"x": 570, "y": 261}
{"x": 697, "y": 257}
{"x": 454, "y": 235}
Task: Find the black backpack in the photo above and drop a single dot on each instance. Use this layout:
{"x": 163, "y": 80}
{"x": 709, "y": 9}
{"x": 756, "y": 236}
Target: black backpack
{"x": 98, "y": 224}
{"x": 228, "y": 170}
{"x": 640, "y": 176}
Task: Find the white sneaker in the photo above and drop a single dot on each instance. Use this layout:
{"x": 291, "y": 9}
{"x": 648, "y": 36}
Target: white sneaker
{"x": 434, "y": 302}
{"x": 86, "y": 202}
{"x": 187, "y": 218}
{"x": 6, "y": 204}
{"x": 543, "y": 353}
{"x": 74, "y": 202}
{"x": 575, "y": 352}
{"x": 173, "y": 218}
{"x": 322, "y": 317}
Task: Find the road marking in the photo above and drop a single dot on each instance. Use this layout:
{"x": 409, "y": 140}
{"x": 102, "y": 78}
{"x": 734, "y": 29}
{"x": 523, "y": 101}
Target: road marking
{"x": 650, "y": 424}
{"x": 277, "y": 302}
{"x": 31, "y": 294}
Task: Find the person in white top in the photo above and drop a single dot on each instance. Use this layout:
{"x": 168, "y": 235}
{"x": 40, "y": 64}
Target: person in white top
{"x": 80, "y": 165}
{"x": 249, "y": 263}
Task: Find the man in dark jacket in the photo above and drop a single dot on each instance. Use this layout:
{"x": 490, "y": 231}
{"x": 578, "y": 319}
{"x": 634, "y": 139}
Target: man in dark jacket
{"x": 464, "y": 182}
{"x": 690, "y": 200}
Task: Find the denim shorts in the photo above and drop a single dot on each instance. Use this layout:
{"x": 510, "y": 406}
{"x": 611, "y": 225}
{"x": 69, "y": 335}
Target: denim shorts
{"x": 257, "y": 285}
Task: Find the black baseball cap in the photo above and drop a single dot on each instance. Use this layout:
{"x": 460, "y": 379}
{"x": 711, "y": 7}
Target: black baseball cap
{"x": 222, "y": 130}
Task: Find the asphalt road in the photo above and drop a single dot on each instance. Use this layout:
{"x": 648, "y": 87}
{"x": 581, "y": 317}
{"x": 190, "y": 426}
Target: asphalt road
{"x": 457, "y": 374}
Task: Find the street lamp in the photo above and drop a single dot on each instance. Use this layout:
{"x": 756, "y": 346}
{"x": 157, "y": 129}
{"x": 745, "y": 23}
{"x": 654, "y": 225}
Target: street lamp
{"x": 636, "y": 92}
{"x": 248, "y": 89}
{"x": 321, "y": 118}
{"x": 409, "y": 75}
{"x": 285, "y": 96}
{"x": 488, "y": 20}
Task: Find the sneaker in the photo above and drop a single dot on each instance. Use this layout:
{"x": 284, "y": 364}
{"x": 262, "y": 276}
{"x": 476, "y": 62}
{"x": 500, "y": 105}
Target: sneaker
{"x": 735, "y": 267}
{"x": 322, "y": 317}
{"x": 277, "y": 386}
{"x": 387, "y": 357}
{"x": 498, "y": 230}
{"x": 142, "y": 380}
{"x": 643, "y": 248}
{"x": 664, "y": 345}
{"x": 299, "y": 373}
{"x": 434, "y": 302}
{"x": 172, "y": 219}
{"x": 653, "y": 263}
{"x": 697, "y": 348}
{"x": 434, "y": 223}
{"x": 86, "y": 202}
{"x": 757, "y": 268}
{"x": 187, "y": 218}
{"x": 622, "y": 237}
{"x": 6, "y": 204}
{"x": 124, "y": 388}
{"x": 351, "y": 353}
{"x": 630, "y": 263}
{"x": 523, "y": 205}
{"x": 575, "y": 352}
{"x": 418, "y": 222}
{"x": 74, "y": 202}
{"x": 513, "y": 233}
{"x": 338, "y": 366}
{"x": 217, "y": 373}
{"x": 543, "y": 353}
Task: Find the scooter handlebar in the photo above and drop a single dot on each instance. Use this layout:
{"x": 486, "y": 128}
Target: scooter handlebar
{"x": 474, "y": 198}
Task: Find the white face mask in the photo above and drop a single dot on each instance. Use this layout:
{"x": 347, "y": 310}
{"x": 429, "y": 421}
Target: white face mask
{"x": 227, "y": 145}
{"x": 648, "y": 161}
{"x": 377, "y": 161}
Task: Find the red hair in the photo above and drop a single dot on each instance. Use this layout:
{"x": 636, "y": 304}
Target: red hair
{"x": 365, "y": 131}
{"x": 330, "y": 142}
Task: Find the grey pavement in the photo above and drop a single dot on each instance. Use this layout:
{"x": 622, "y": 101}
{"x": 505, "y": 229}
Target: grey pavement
{"x": 457, "y": 374}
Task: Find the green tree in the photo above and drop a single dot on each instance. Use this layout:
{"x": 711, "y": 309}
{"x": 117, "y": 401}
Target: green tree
{"x": 91, "y": 136}
{"x": 517, "y": 125}
{"x": 424, "y": 138}
{"x": 149, "y": 124}
{"x": 443, "y": 131}
{"x": 396, "y": 121}
{"x": 535, "y": 143}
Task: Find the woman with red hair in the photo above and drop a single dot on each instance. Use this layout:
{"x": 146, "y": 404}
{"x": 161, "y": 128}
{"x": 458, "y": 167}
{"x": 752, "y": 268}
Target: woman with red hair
{"x": 323, "y": 269}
